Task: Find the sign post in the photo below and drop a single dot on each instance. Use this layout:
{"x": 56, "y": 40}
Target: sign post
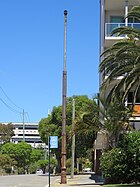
{"x": 52, "y": 143}
{"x": 49, "y": 159}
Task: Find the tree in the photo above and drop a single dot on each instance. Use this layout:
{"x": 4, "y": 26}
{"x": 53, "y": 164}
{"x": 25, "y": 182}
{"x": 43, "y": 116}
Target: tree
{"x": 7, "y": 163}
{"x": 42, "y": 164}
{"x": 87, "y": 119}
{"x": 130, "y": 144}
{"x": 121, "y": 164}
{"x": 23, "y": 152}
{"x": 52, "y": 125}
{"x": 24, "y": 158}
{"x": 123, "y": 60}
{"x": 9, "y": 149}
{"x": 6, "y": 132}
{"x": 36, "y": 155}
{"x": 20, "y": 153}
{"x": 87, "y": 124}
{"x": 113, "y": 166}
{"x": 115, "y": 120}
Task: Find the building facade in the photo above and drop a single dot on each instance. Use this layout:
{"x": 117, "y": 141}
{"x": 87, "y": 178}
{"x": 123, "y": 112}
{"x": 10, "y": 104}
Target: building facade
{"x": 112, "y": 14}
{"x": 27, "y": 132}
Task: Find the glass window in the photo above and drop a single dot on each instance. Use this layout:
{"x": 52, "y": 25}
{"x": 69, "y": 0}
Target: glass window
{"x": 130, "y": 20}
{"x": 117, "y": 19}
{"x": 138, "y": 98}
{"x": 136, "y": 20}
{"x": 131, "y": 97}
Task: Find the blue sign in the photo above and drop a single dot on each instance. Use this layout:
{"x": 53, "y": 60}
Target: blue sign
{"x": 53, "y": 141}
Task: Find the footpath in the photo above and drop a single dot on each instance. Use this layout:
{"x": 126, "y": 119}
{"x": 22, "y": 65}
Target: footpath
{"x": 77, "y": 181}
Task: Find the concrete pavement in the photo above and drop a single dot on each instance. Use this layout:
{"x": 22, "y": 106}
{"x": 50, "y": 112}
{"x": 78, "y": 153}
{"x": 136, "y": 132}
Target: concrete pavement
{"x": 78, "y": 180}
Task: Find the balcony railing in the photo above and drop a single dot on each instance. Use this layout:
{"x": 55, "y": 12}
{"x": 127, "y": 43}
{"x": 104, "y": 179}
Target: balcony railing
{"x": 109, "y": 27}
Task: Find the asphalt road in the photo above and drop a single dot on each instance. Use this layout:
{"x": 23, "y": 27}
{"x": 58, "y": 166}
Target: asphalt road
{"x": 42, "y": 181}
{"x": 23, "y": 181}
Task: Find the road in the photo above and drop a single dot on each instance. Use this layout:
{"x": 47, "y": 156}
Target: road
{"x": 23, "y": 181}
{"x": 42, "y": 181}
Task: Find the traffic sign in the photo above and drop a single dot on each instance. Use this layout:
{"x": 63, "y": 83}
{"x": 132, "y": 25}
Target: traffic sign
{"x": 53, "y": 141}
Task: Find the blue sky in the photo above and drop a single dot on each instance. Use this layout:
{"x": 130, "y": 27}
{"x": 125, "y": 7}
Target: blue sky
{"x": 31, "y": 54}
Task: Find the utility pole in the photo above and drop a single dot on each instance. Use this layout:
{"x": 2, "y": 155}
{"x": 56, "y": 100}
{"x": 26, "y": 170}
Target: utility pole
{"x": 73, "y": 138}
{"x": 23, "y": 126}
{"x": 64, "y": 89}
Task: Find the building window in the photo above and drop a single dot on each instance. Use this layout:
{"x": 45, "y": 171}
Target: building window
{"x": 115, "y": 22}
{"x": 117, "y": 19}
{"x": 131, "y": 98}
{"x": 35, "y": 135}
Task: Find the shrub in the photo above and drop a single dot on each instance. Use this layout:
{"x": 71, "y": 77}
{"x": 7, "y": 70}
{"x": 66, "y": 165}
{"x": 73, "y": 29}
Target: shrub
{"x": 121, "y": 164}
{"x": 113, "y": 166}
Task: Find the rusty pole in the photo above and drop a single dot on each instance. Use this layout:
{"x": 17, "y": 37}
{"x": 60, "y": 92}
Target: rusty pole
{"x": 63, "y": 152}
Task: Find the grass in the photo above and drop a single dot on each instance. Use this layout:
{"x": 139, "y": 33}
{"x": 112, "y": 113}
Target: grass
{"x": 122, "y": 185}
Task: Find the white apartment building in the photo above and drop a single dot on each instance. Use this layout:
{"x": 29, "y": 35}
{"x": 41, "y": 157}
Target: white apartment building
{"x": 27, "y": 132}
{"x": 112, "y": 13}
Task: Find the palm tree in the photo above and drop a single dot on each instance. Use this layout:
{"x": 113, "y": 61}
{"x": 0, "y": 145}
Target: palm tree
{"x": 121, "y": 63}
{"x": 114, "y": 120}
{"x": 111, "y": 120}
{"x": 87, "y": 122}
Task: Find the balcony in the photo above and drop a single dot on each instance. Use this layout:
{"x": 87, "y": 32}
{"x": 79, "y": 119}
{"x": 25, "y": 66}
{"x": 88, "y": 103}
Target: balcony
{"x": 109, "y": 27}
{"x": 119, "y": 4}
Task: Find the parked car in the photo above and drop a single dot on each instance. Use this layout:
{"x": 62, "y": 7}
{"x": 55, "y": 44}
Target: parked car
{"x": 87, "y": 170}
{"x": 39, "y": 171}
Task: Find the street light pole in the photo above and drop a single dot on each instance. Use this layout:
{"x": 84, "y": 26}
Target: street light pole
{"x": 63, "y": 152}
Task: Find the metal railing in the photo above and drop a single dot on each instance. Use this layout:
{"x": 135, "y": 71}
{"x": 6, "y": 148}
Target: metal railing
{"x": 109, "y": 27}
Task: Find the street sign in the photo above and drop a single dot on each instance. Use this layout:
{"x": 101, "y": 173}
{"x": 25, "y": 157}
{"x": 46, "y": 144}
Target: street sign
{"x": 53, "y": 141}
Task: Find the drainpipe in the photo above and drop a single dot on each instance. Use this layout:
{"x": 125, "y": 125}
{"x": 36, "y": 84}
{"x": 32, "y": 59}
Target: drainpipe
{"x": 126, "y": 12}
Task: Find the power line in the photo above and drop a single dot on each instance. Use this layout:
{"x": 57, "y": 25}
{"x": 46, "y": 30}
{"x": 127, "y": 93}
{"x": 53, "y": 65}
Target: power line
{"x": 27, "y": 117}
{"x": 13, "y": 110}
{"x": 10, "y": 99}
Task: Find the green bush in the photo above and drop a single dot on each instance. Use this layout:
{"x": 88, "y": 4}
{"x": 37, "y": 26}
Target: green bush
{"x": 68, "y": 170}
{"x": 113, "y": 166}
{"x": 122, "y": 164}
{"x": 33, "y": 167}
